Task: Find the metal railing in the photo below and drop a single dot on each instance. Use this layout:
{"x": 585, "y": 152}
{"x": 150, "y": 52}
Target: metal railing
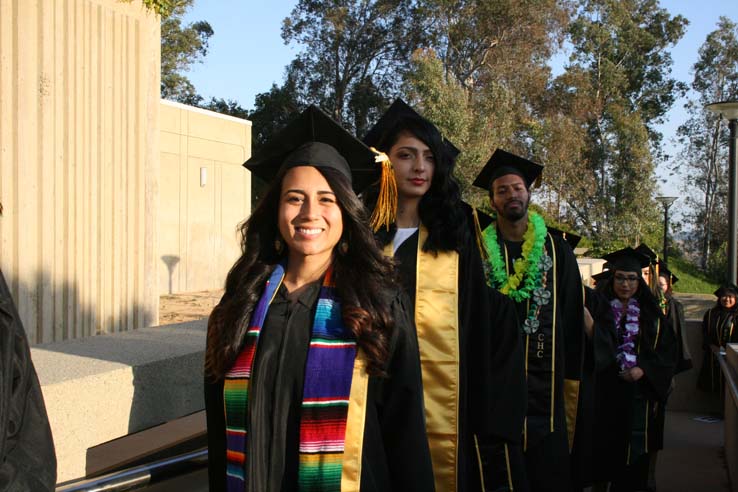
{"x": 139, "y": 476}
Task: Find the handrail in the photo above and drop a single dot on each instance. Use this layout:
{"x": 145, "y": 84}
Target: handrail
{"x": 132, "y": 477}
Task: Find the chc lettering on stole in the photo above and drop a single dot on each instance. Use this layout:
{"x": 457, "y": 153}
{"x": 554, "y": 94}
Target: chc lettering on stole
{"x": 539, "y": 345}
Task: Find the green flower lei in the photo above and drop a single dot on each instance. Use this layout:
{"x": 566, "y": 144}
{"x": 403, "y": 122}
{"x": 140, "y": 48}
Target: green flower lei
{"x": 528, "y": 266}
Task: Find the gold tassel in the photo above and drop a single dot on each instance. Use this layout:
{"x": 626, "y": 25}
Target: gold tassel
{"x": 478, "y": 233}
{"x": 385, "y": 211}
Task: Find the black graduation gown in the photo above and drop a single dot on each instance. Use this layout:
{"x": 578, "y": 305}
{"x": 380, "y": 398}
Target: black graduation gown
{"x": 553, "y": 356}
{"x": 675, "y": 320}
{"x": 27, "y": 459}
{"x": 395, "y": 452}
{"x": 718, "y": 328}
{"x": 492, "y": 395}
{"x": 624, "y": 410}
{"x": 599, "y": 353}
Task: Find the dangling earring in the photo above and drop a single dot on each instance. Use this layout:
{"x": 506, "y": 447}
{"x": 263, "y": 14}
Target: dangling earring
{"x": 278, "y": 245}
{"x": 343, "y": 247}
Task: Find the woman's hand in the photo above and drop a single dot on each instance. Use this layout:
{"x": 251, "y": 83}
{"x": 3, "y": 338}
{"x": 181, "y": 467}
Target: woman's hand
{"x": 632, "y": 375}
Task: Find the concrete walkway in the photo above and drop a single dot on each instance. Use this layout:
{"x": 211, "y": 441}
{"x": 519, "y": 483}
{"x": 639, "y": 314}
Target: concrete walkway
{"x": 692, "y": 459}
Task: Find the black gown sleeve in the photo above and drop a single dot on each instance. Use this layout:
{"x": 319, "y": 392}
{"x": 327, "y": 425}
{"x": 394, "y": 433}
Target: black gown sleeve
{"x": 656, "y": 355}
{"x": 707, "y": 331}
{"x": 604, "y": 338}
{"x": 571, "y": 306}
{"x": 401, "y": 412}
{"x": 495, "y": 367}
{"x": 684, "y": 358}
{"x": 503, "y": 393}
{"x": 28, "y": 458}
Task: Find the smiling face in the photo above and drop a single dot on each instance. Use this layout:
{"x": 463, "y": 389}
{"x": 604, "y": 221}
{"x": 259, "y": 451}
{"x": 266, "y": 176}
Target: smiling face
{"x": 309, "y": 217}
{"x": 413, "y": 163}
{"x": 727, "y": 301}
{"x": 663, "y": 284}
{"x": 510, "y": 197}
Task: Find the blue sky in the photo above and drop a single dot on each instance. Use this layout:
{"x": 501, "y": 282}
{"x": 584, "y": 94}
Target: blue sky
{"x": 247, "y": 54}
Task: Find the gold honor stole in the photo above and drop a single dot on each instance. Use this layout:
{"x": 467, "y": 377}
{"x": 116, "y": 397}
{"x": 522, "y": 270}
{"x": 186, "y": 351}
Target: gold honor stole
{"x": 437, "y": 326}
{"x": 355, "y": 420}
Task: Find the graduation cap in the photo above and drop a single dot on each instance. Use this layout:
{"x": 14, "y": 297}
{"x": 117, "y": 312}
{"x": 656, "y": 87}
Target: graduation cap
{"x": 664, "y": 271}
{"x": 398, "y": 111}
{"x": 569, "y": 237}
{"x": 727, "y": 289}
{"x": 502, "y": 163}
{"x": 627, "y": 260}
{"x": 645, "y": 250}
{"x": 314, "y": 139}
{"x": 602, "y": 276}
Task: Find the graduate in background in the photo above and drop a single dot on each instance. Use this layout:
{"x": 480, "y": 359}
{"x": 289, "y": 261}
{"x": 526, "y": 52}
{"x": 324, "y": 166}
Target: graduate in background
{"x": 27, "y": 458}
{"x": 674, "y": 313}
{"x": 599, "y": 354}
{"x": 312, "y": 372}
{"x": 629, "y": 392}
{"x": 539, "y": 272}
{"x": 718, "y": 329}
{"x": 470, "y": 350}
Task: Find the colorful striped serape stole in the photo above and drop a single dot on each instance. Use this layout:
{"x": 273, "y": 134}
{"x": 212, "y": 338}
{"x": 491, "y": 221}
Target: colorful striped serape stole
{"x": 328, "y": 374}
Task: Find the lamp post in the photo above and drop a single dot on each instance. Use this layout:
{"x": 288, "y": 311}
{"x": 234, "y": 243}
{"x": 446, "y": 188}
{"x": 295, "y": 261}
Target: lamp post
{"x": 666, "y": 201}
{"x": 729, "y": 111}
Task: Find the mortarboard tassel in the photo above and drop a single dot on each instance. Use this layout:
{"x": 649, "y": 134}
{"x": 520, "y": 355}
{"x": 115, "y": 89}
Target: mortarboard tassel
{"x": 478, "y": 234}
{"x": 385, "y": 211}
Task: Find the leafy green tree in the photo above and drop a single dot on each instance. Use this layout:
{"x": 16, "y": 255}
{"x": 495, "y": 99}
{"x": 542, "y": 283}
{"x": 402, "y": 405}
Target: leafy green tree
{"x": 181, "y": 47}
{"x": 273, "y": 110}
{"x": 614, "y": 92}
{"x": 483, "y": 78}
{"x": 703, "y": 159}
{"x": 353, "y": 53}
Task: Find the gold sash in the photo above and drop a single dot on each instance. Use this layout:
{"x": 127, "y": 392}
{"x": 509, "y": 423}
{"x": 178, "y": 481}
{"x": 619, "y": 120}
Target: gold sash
{"x": 354, "y": 441}
{"x": 437, "y": 326}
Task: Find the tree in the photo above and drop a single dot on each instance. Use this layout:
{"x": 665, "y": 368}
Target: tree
{"x": 354, "y": 54}
{"x": 614, "y": 91}
{"x": 273, "y": 110}
{"x": 483, "y": 78}
{"x": 181, "y": 47}
{"x": 703, "y": 159}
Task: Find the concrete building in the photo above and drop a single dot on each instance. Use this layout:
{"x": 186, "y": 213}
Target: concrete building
{"x": 110, "y": 195}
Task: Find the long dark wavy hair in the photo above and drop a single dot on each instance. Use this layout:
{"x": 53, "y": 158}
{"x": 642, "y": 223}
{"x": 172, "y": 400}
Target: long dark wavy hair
{"x": 441, "y": 210}
{"x": 361, "y": 276}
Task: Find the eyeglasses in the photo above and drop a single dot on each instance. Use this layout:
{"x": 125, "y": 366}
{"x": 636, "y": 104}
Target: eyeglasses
{"x": 621, "y": 279}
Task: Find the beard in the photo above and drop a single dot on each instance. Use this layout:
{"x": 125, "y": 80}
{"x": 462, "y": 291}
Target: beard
{"x": 514, "y": 214}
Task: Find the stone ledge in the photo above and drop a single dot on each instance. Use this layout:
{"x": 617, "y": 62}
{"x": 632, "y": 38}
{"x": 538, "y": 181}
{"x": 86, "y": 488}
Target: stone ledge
{"x": 104, "y": 387}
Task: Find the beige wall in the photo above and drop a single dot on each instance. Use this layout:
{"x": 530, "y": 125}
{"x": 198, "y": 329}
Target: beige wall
{"x": 198, "y": 220}
{"x": 79, "y": 96}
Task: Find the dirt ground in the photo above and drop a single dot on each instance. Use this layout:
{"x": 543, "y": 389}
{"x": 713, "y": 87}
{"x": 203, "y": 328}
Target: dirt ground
{"x": 177, "y": 308}
{"x": 189, "y": 306}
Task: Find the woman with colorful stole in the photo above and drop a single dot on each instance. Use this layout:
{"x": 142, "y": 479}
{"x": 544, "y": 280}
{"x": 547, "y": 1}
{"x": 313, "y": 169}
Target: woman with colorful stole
{"x": 312, "y": 371}
{"x": 629, "y": 392}
{"x": 718, "y": 328}
{"x": 470, "y": 350}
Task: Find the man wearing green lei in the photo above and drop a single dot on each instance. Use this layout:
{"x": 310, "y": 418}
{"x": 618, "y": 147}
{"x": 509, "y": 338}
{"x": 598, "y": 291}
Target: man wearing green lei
{"x": 539, "y": 272}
